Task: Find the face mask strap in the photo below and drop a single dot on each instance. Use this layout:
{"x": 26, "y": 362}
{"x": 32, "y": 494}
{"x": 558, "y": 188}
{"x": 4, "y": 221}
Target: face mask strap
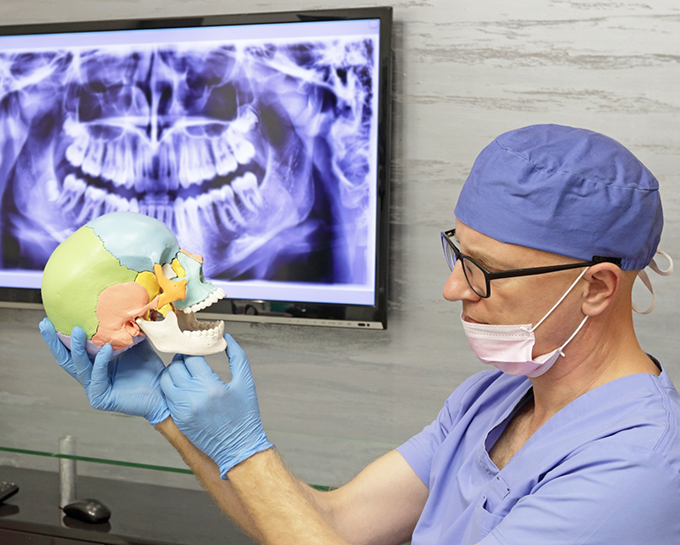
{"x": 648, "y": 283}
{"x": 561, "y": 348}
{"x": 562, "y": 299}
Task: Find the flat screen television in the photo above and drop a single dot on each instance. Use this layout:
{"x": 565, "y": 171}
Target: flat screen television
{"x": 262, "y": 141}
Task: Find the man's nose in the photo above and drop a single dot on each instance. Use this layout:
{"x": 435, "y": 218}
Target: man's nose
{"x": 457, "y": 287}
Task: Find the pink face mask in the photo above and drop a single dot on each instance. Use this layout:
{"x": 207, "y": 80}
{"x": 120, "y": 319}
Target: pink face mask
{"x": 509, "y": 347}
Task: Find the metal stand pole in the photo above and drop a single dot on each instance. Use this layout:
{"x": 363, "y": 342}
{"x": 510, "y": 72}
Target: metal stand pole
{"x": 67, "y": 471}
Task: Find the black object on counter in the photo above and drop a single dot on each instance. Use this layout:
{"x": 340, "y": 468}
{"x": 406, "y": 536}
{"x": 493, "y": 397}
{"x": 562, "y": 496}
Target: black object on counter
{"x": 88, "y": 510}
{"x": 7, "y": 490}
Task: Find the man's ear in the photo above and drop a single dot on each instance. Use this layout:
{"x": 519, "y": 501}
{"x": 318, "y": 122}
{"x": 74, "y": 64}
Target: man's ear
{"x": 604, "y": 282}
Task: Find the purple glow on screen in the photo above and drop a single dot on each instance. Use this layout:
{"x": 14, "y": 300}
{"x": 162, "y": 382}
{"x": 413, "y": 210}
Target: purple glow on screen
{"x": 259, "y": 153}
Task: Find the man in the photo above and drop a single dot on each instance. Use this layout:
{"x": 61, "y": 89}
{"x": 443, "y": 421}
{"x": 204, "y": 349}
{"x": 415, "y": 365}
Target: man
{"x": 574, "y": 439}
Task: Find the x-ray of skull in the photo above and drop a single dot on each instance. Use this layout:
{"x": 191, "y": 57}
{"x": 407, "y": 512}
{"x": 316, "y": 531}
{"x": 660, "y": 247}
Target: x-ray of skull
{"x": 258, "y": 157}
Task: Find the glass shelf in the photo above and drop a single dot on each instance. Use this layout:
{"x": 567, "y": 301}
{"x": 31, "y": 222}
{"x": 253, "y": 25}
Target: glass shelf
{"x": 95, "y": 460}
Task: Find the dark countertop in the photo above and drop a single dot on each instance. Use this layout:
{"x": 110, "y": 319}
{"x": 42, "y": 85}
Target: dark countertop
{"x": 141, "y": 513}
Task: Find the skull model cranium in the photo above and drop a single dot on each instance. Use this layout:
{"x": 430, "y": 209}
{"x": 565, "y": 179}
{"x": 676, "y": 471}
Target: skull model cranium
{"x": 123, "y": 276}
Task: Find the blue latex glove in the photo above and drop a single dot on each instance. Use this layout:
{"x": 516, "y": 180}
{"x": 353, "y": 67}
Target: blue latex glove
{"x": 222, "y": 420}
{"x": 127, "y": 383}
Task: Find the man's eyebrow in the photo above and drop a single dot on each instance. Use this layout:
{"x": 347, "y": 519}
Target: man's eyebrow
{"x": 489, "y": 263}
{"x": 485, "y": 260}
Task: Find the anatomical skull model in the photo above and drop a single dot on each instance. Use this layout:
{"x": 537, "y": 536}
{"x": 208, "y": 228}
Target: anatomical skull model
{"x": 122, "y": 277}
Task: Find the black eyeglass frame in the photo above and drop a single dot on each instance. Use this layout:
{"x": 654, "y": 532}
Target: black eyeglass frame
{"x": 511, "y": 273}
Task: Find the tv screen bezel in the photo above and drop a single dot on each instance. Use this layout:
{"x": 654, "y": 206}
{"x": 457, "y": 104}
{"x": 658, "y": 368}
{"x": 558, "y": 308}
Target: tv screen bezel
{"x": 288, "y": 312}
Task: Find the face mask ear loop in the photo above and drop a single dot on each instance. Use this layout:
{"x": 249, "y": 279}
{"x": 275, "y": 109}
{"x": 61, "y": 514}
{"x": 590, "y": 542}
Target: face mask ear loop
{"x": 561, "y": 348}
{"x": 561, "y": 299}
{"x": 648, "y": 283}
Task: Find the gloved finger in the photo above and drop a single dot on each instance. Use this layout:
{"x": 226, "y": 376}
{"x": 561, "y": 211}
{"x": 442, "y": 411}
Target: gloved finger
{"x": 179, "y": 374}
{"x": 167, "y": 385}
{"x": 100, "y": 382}
{"x": 172, "y": 380}
{"x": 238, "y": 360}
{"x": 81, "y": 359}
{"x": 59, "y": 351}
{"x": 198, "y": 367}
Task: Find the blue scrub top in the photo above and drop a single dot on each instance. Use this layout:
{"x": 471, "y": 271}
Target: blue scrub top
{"x": 603, "y": 470}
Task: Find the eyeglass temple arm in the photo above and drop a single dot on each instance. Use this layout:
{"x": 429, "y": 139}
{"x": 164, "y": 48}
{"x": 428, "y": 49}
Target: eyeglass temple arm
{"x": 554, "y": 268}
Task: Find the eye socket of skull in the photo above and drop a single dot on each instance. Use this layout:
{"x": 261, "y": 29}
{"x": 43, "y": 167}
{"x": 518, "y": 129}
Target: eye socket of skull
{"x": 197, "y": 288}
{"x": 171, "y": 290}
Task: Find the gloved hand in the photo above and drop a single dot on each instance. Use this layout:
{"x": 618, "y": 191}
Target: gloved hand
{"x": 222, "y": 420}
{"x": 127, "y": 383}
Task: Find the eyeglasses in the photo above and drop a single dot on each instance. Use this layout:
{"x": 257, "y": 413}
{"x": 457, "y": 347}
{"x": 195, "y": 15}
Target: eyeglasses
{"x": 480, "y": 279}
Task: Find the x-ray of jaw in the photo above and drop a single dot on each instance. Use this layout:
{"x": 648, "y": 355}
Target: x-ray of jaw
{"x": 257, "y": 157}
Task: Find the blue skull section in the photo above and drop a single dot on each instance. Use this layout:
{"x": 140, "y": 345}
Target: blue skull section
{"x": 139, "y": 242}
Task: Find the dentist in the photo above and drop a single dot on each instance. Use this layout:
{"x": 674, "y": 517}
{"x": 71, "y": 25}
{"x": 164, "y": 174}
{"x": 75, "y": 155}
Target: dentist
{"x": 571, "y": 436}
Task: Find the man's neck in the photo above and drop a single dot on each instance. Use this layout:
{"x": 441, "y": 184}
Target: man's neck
{"x": 595, "y": 358}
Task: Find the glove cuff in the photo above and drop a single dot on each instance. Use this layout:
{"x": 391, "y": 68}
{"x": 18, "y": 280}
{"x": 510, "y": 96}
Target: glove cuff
{"x": 160, "y": 414}
{"x": 261, "y": 445}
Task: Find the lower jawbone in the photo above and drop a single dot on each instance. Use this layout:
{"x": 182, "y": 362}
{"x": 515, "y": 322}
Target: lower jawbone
{"x": 179, "y": 332}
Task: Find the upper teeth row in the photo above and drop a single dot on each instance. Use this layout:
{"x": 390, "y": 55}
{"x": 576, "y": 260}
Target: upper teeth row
{"x": 182, "y": 159}
{"x": 212, "y": 298}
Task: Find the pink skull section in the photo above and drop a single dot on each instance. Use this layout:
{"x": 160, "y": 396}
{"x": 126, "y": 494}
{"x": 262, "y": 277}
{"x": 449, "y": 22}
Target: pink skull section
{"x": 117, "y": 309}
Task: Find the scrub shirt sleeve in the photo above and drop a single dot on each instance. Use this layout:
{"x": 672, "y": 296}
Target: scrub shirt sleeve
{"x": 625, "y": 498}
{"x": 419, "y": 450}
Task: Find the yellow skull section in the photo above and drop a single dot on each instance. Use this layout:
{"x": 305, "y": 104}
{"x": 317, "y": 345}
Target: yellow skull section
{"x": 157, "y": 284}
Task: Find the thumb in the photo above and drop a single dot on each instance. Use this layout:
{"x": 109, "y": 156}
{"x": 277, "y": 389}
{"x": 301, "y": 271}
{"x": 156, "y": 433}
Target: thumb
{"x": 238, "y": 360}
{"x": 100, "y": 380}
{"x": 59, "y": 351}
{"x": 81, "y": 359}
{"x": 167, "y": 385}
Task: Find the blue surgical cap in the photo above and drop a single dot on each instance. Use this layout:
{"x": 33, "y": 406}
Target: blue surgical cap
{"x": 567, "y": 191}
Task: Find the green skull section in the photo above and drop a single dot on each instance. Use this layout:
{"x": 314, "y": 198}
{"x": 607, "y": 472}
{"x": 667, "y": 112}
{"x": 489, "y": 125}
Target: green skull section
{"x": 123, "y": 277}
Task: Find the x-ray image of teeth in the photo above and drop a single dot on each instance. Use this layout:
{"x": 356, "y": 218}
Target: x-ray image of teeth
{"x": 257, "y": 157}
